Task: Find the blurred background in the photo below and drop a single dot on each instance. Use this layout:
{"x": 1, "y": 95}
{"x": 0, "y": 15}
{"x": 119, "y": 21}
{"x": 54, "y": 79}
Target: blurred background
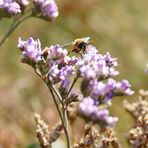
{"x": 117, "y": 26}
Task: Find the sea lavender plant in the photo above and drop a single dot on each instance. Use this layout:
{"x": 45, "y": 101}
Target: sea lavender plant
{"x": 60, "y": 71}
{"x": 20, "y": 10}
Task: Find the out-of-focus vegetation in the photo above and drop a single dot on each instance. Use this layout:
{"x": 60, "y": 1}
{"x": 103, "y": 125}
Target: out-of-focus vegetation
{"x": 117, "y": 26}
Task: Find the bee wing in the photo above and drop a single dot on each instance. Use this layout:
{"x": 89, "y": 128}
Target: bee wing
{"x": 85, "y": 39}
{"x": 67, "y": 44}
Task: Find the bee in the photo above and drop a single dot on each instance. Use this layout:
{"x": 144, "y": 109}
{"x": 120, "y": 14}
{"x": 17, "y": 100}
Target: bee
{"x": 79, "y": 44}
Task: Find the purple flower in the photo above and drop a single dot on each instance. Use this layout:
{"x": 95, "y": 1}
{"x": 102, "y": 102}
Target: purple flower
{"x": 56, "y": 53}
{"x": 65, "y": 83}
{"x": 87, "y": 72}
{"x": 103, "y": 92}
{"x": 60, "y": 65}
{"x": 124, "y": 87}
{"x": 91, "y": 50}
{"x": 111, "y": 84}
{"x": 57, "y": 74}
{"x": 71, "y": 60}
{"x": 89, "y": 110}
{"x": 31, "y": 50}
{"x": 109, "y": 60}
{"x": 66, "y": 72}
{"x": 48, "y": 9}
{"x": 10, "y": 7}
{"x": 93, "y": 65}
{"x": 53, "y": 74}
{"x": 13, "y": 8}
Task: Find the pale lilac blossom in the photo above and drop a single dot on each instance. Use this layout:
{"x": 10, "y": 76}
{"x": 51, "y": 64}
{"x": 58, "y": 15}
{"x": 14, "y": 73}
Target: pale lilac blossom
{"x": 48, "y": 9}
{"x": 65, "y": 65}
{"x": 53, "y": 74}
{"x": 89, "y": 110}
{"x": 105, "y": 91}
{"x": 31, "y": 50}
{"x": 65, "y": 83}
{"x": 124, "y": 87}
{"x": 93, "y": 65}
{"x": 14, "y": 8}
{"x": 10, "y": 7}
{"x": 66, "y": 72}
{"x": 109, "y": 60}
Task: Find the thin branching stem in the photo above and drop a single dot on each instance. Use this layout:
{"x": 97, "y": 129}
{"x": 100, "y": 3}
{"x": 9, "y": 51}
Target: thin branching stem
{"x": 72, "y": 85}
{"x": 16, "y": 22}
{"x": 65, "y": 121}
{"x": 8, "y": 33}
{"x": 63, "y": 118}
{"x": 57, "y": 93}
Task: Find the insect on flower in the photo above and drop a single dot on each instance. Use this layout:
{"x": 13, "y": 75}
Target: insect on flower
{"x": 79, "y": 44}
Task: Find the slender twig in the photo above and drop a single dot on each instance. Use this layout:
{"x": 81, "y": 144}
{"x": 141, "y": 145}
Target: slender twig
{"x": 14, "y": 25}
{"x": 8, "y": 33}
{"x": 57, "y": 93}
{"x": 62, "y": 118}
{"x": 73, "y": 83}
{"x": 51, "y": 89}
{"x": 65, "y": 121}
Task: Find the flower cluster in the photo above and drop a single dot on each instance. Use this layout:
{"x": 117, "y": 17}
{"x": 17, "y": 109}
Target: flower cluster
{"x": 45, "y": 9}
{"x": 97, "y": 94}
{"x": 98, "y": 87}
{"x": 55, "y": 65}
{"x": 93, "y": 65}
{"x": 89, "y": 108}
{"x": 61, "y": 66}
{"x": 12, "y": 7}
{"x": 31, "y": 50}
{"x": 104, "y": 92}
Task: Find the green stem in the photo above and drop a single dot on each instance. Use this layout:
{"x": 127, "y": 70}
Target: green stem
{"x": 57, "y": 93}
{"x": 13, "y": 26}
{"x": 51, "y": 91}
{"x": 66, "y": 123}
{"x": 73, "y": 83}
{"x": 8, "y": 33}
{"x": 63, "y": 119}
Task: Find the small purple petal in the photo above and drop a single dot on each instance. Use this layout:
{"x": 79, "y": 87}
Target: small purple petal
{"x": 31, "y": 49}
{"x": 48, "y": 8}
